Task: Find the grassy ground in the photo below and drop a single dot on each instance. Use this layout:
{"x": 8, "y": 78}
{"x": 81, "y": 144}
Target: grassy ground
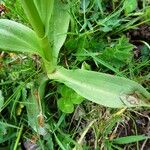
{"x": 106, "y": 36}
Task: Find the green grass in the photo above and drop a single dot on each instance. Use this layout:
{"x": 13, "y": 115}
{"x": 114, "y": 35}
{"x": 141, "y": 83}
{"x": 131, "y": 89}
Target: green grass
{"x": 95, "y": 41}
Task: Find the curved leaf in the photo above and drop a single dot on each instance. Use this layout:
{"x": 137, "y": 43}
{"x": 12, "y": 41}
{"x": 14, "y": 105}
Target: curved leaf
{"x": 19, "y": 38}
{"x": 33, "y": 17}
{"x": 59, "y": 24}
{"x": 104, "y": 89}
{"x": 45, "y": 8}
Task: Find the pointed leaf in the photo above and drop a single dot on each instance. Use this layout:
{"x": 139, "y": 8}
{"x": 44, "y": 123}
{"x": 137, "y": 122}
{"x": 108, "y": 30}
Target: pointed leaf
{"x": 104, "y": 89}
{"x": 34, "y": 112}
{"x": 58, "y": 26}
{"x": 130, "y": 139}
{"x": 19, "y": 38}
{"x": 32, "y": 108}
{"x": 33, "y": 17}
{"x": 45, "y": 8}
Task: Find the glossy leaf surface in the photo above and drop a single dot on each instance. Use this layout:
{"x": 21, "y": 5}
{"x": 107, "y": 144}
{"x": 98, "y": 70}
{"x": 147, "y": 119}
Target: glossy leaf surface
{"x": 104, "y": 89}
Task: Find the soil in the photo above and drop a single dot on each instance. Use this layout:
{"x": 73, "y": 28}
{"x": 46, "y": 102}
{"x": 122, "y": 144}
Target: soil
{"x": 140, "y": 125}
{"x": 136, "y": 36}
{"x": 142, "y": 33}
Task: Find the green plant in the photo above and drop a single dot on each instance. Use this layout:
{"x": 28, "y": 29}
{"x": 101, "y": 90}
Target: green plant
{"x": 130, "y": 6}
{"x": 50, "y": 21}
{"x": 67, "y": 101}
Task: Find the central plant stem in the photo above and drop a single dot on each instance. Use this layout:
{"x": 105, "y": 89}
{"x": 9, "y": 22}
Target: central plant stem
{"x": 49, "y": 63}
{"x": 38, "y": 26}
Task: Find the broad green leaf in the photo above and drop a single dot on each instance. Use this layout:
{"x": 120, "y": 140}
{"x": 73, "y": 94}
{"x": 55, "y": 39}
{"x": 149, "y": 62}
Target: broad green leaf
{"x": 31, "y": 107}
{"x": 72, "y": 96}
{"x": 104, "y": 89}
{"x": 45, "y": 8}
{"x": 76, "y": 98}
{"x": 59, "y": 26}
{"x": 1, "y": 100}
{"x": 130, "y": 139}
{"x": 33, "y": 17}
{"x": 68, "y": 99}
{"x": 63, "y": 90}
{"x": 130, "y": 6}
{"x": 18, "y": 38}
{"x": 65, "y": 105}
{"x": 34, "y": 111}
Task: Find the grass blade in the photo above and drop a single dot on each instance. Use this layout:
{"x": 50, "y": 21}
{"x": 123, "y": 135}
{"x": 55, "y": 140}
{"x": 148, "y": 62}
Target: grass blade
{"x": 130, "y": 139}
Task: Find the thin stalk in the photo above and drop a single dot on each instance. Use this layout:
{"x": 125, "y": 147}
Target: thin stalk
{"x": 18, "y": 138}
{"x": 33, "y": 17}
